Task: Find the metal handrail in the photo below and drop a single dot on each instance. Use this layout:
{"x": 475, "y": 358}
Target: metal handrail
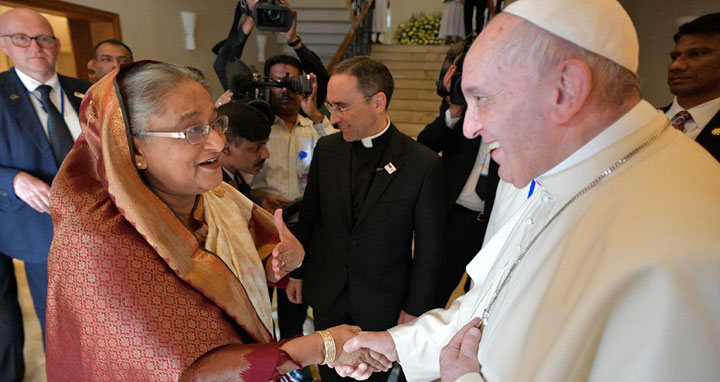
{"x": 357, "y": 22}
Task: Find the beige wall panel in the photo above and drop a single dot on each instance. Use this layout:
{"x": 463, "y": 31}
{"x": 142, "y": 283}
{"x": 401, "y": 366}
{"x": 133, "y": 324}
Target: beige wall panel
{"x": 154, "y": 30}
{"x": 656, "y": 23}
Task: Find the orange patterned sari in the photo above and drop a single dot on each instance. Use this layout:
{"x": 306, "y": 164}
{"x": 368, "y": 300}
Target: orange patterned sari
{"x": 132, "y": 294}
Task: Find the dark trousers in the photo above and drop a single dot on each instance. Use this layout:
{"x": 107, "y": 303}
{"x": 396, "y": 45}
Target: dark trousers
{"x": 290, "y": 316}
{"x": 340, "y": 314}
{"x": 463, "y": 238}
{"x": 12, "y": 337}
{"x": 481, "y": 5}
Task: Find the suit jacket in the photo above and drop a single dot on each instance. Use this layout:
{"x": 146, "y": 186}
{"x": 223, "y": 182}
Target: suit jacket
{"x": 373, "y": 258}
{"x": 25, "y": 233}
{"x": 706, "y": 139}
{"x": 458, "y": 156}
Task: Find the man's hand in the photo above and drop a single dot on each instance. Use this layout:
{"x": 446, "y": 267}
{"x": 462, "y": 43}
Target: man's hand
{"x": 459, "y": 356}
{"x": 366, "y": 359}
{"x": 294, "y": 291}
{"x": 404, "y": 318}
{"x": 308, "y": 103}
{"x": 455, "y": 110}
{"x": 378, "y": 342}
{"x": 272, "y": 202}
{"x": 288, "y": 254}
{"x": 32, "y": 191}
{"x": 291, "y": 34}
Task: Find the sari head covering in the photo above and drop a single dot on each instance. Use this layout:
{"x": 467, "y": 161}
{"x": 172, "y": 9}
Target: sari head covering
{"x": 133, "y": 292}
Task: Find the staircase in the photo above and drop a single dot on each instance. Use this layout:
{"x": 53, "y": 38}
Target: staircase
{"x": 322, "y": 24}
{"x": 415, "y": 69}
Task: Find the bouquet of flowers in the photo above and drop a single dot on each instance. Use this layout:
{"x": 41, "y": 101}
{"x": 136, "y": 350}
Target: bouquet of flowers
{"x": 420, "y": 29}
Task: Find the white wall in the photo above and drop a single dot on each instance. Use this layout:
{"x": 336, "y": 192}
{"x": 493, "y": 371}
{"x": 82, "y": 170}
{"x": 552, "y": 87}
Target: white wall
{"x": 153, "y": 29}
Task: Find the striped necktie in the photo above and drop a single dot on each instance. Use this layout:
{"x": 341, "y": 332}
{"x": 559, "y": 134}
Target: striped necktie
{"x": 58, "y": 133}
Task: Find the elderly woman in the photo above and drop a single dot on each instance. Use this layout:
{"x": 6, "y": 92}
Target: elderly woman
{"x": 158, "y": 270}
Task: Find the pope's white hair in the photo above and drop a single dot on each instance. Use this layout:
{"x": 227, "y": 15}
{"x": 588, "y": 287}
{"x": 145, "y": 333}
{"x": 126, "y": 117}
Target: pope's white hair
{"x": 541, "y": 51}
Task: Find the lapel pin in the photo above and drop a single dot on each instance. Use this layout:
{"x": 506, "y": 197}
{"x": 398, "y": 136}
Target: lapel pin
{"x": 14, "y": 96}
{"x": 390, "y": 168}
{"x": 715, "y": 131}
{"x": 79, "y": 95}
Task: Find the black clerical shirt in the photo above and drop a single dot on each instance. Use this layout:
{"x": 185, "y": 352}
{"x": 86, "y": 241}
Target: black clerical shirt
{"x": 364, "y": 163}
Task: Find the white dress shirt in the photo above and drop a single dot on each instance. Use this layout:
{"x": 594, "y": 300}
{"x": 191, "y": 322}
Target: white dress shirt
{"x": 59, "y": 98}
{"x": 701, "y": 115}
{"x": 286, "y": 170}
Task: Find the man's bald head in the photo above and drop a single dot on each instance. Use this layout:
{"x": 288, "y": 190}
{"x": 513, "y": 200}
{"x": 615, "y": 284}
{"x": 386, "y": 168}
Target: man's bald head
{"x": 35, "y": 61}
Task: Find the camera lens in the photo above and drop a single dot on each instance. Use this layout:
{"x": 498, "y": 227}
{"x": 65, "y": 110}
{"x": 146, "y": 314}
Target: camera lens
{"x": 272, "y": 14}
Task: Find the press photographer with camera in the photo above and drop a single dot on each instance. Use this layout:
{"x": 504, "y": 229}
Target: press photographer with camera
{"x": 471, "y": 176}
{"x": 295, "y": 89}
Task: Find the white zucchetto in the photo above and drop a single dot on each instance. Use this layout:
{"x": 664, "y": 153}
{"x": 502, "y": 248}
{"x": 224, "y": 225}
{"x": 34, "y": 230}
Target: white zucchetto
{"x": 600, "y": 26}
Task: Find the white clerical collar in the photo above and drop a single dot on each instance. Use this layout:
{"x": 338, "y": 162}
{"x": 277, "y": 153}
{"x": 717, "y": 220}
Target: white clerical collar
{"x": 31, "y": 84}
{"x": 701, "y": 114}
{"x": 637, "y": 117}
{"x": 367, "y": 142}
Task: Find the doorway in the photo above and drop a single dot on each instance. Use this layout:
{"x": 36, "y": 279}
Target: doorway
{"x": 78, "y": 27}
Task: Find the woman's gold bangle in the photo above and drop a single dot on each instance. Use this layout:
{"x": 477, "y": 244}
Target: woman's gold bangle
{"x": 329, "y": 343}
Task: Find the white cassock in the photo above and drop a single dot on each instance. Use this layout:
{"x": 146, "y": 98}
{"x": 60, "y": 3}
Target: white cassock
{"x": 623, "y": 286}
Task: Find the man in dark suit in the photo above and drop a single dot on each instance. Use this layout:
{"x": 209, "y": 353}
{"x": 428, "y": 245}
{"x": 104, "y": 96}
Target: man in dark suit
{"x": 694, "y": 79}
{"x": 370, "y": 189}
{"x": 471, "y": 180}
{"x": 38, "y": 124}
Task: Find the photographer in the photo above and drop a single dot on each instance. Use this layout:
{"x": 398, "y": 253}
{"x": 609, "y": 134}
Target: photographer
{"x": 471, "y": 180}
{"x": 291, "y": 143}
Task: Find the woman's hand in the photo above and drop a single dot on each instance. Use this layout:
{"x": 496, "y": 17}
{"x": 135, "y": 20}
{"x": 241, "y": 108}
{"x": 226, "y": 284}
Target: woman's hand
{"x": 373, "y": 360}
{"x": 288, "y": 254}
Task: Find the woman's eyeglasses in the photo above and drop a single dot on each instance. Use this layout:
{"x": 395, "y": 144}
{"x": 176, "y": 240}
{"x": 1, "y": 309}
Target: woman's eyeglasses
{"x": 195, "y": 134}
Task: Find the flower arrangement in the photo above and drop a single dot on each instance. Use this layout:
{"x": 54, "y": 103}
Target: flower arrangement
{"x": 420, "y": 29}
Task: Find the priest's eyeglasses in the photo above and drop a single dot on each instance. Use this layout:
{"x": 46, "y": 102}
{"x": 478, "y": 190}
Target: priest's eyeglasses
{"x": 195, "y": 134}
{"x": 330, "y": 107}
{"x": 23, "y": 41}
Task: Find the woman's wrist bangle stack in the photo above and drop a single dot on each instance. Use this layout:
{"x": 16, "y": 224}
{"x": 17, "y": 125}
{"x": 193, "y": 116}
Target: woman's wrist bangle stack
{"x": 329, "y": 343}
{"x": 295, "y": 42}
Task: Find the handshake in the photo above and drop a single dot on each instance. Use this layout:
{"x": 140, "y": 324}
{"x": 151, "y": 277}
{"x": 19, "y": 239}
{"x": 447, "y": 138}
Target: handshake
{"x": 358, "y": 354}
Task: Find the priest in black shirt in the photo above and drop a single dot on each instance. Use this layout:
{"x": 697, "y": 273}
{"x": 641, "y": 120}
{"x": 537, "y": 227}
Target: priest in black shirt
{"x": 371, "y": 191}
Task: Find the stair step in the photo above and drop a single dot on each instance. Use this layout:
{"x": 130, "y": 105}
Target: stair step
{"x": 413, "y": 65}
{"x": 327, "y": 27}
{"x": 420, "y": 94}
{"x": 414, "y": 74}
{"x": 423, "y": 117}
{"x": 321, "y": 14}
{"x": 410, "y": 129}
{"x": 396, "y": 48}
{"x": 417, "y": 56}
{"x": 404, "y": 83}
{"x": 300, "y": 4}
{"x": 415, "y": 104}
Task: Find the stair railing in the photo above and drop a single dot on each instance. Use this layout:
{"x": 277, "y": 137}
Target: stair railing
{"x": 358, "y": 39}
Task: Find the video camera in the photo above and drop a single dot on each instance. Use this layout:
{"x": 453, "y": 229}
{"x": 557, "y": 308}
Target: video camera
{"x": 455, "y": 55}
{"x": 270, "y": 15}
{"x": 246, "y": 83}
